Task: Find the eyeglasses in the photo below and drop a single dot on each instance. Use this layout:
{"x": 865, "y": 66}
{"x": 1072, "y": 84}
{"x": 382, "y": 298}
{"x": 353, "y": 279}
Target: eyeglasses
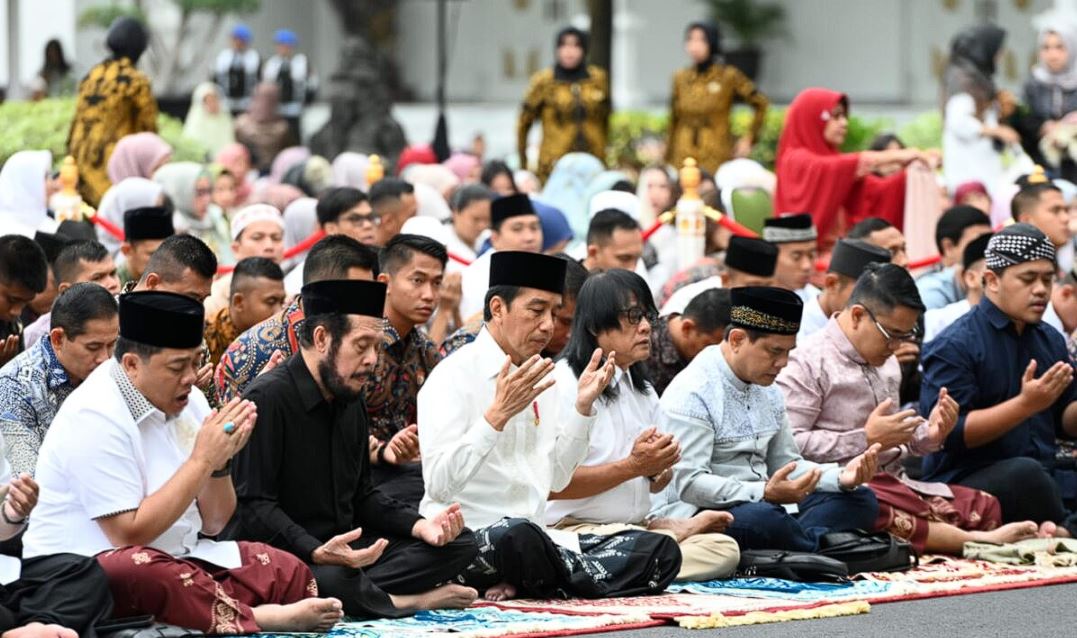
{"x": 636, "y": 314}
{"x": 356, "y": 219}
{"x": 203, "y": 192}
{"x": 892, "y": 340}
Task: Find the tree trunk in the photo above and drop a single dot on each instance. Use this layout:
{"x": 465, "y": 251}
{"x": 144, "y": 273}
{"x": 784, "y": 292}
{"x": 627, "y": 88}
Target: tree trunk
{"x": 601, "y": 53}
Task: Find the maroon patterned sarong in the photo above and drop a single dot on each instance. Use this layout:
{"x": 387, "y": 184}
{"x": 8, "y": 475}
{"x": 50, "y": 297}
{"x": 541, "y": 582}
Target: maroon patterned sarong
{"x": 197, "y": 595}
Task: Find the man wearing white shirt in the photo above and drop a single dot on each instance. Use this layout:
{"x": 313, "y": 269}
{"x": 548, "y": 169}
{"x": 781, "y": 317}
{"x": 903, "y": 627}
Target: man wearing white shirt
{"x": 795, "y": 236}
{"x": 135, "y": 469}
{"x": 500, "y": 442}
{"x": 847, "y": 261}
{"x": 515, "y": 226}
{"x": 748, "y": 262}
{"x": 628, "y": 460}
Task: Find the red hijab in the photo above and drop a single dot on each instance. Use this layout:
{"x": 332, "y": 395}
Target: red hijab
{"x": 817, "y": 178}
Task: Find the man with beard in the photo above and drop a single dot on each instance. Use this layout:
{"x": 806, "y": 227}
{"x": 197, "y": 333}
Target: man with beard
{"x": 304, "y": 479}
{"x": 1013, "y": 378}
{"x": 498, "y": 437}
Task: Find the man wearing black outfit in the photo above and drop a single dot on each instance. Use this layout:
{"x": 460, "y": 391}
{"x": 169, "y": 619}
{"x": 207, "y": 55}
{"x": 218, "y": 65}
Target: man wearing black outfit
{"x": 303, "y": 481}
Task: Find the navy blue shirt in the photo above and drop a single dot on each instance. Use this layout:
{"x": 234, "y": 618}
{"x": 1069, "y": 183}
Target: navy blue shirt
{"x": 980, "y": 360}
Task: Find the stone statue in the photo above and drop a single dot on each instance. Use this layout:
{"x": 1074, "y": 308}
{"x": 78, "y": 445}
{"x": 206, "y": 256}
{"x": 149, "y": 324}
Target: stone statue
{"x": 360, "y": 117}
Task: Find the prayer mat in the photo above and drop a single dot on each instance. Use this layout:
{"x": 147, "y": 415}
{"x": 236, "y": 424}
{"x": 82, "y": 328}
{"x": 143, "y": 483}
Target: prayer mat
{"x": 484, "y": 622}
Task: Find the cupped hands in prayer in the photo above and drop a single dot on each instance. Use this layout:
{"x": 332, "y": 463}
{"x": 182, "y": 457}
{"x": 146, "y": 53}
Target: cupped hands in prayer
{"x": 782, "y": 490}
{"x": 403, "y": 447}
{"x": 442, "y": 529}
{"x": 19, "y": 497}
{"x": 1038, "y": 394}
{"x": 215, "y": 444}
{"x": 943, "y": 418}
{"x": 860, "y": 470}
{"x": 517, "y": 389}
{"x": 338, "y": 551}
{"x": 890, "y": 430}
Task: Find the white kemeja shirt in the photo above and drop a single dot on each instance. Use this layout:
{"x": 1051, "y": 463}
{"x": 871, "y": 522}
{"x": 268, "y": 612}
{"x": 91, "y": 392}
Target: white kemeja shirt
{"x": 807, "y": 293}
{"x": 813, "y": 319}
{"x": 293, "y": 281}
{"x": 938, "y": 319}
{"x": 474, "y": 283}
{"x": 617, "y": 424}
{"x": 679, "y": 300}
{"x": 494, "y": 474}
{"x": 107, "y": 450}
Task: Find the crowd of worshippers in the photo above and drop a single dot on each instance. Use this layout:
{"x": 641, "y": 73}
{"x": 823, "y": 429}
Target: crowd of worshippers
{"x": 278, "y": 463}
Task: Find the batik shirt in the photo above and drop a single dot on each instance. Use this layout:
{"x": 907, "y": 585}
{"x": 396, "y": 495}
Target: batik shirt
{"x": 251, "y": 351}
{"x": 393, "y": 385}
{"x": 665, "y": 362}
{"x": 220, "y": 333}
{"x": 32, "y": 387}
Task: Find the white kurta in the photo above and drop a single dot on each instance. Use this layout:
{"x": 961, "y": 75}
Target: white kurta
{"x": 813, "y": 319}
{"x": 679, "y": 300}
{"x": 107, "y": 450}
{"x": 494, "y": 474}
{"x": 617, "y": 424}
{"x": 474, "y": 283}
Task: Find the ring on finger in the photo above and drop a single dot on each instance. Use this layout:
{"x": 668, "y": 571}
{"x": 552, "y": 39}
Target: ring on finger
{"x": 229, "y": 427}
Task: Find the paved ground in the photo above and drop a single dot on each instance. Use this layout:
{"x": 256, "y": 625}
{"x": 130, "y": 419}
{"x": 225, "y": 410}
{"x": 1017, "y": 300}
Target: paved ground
{"x": 1042, "y": 611}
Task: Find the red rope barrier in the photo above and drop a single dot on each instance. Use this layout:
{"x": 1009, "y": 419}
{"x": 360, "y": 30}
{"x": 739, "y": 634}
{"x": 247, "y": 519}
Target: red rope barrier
{"x": 722, "y": 220}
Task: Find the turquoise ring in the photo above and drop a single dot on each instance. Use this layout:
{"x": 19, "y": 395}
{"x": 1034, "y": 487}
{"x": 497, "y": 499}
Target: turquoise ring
{"x": 229, "y": 427}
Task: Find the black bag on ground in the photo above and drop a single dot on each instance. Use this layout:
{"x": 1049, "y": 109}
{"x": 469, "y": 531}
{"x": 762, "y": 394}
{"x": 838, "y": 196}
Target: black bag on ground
{"x": 798, "y": 566}
{"x": 864, "y": 552}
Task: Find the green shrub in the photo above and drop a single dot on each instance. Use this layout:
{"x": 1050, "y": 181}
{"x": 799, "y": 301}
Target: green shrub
{"x": 44, "y": 125}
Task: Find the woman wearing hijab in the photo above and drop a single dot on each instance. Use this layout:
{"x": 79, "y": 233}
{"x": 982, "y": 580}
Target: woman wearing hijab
{"x": 838, "y": 189}
{"x": 300, "y": 222}
{"x": 208, "y": 121}
{"x": 261, "y": 129}
{"x": 702, "y": 102}
{"x": 236, "y": 159}
{"x": 572, "y": 100}
{"x": 972, "y": 137}
{"x": 23, "y": 184}
{"x": 190, "y": 187}
{"x": 138, "y": 155}
{"x": 349, "y": 169}
{"x": 1051, "y": 95}
{"x": 114, "y": 100}
{"x": 131, "y": 193}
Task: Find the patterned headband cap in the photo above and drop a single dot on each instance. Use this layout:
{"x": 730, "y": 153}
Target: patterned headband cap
{"x": 1012, "y": 248}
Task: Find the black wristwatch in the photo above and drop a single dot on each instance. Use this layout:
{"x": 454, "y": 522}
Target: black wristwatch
{"x": 224, "y": 471}
{"x": 3, "y": 514}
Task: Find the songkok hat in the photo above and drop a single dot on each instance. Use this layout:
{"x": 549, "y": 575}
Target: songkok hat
{"x": 345, "y": 297}
{"x": 975, "y": 249}
{"x": 1017, "y": 244}
{"x": 527, "y": 270}
{"x": 790, "y": 228}
{"x": 149, "y": 222}
{"x": 51, "y": 243}
{"x": 161, "y": 319}
{"x": 765, "y": 309}
{"x": 752, "y": 256}
{"x": 851, "y": 256}
{"x": 252, "y": 214}
{"x": 508, "y": 206}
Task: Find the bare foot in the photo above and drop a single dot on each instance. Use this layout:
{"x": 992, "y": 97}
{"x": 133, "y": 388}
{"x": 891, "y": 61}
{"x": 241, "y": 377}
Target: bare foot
{"x": 309, "y": 614}
{"x": 39, "y": 630}
{"x": 1009, "y": 533}
{"x": 705, "y": 522}
{"x": 1047, "y": 530}
{"x": 503, "y": 591}
{"x": 444, "y": 597}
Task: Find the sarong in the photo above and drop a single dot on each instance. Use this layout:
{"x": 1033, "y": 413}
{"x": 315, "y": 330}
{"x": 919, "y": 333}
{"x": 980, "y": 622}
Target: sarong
{"x": 906, "y": 514}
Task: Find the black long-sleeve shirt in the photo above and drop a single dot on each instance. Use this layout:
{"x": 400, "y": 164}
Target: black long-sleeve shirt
{"x": 304, "y": 476}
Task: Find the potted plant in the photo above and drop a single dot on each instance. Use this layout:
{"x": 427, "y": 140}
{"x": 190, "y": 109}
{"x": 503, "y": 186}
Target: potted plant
{"x": 751, "y": 23}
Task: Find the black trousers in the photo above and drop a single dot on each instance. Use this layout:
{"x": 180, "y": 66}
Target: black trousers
{"x": 404, "y": 483}
{"x": 64, "y": 589}
{"x": 1024, "y": 488}
{"x": 408, "y": 566}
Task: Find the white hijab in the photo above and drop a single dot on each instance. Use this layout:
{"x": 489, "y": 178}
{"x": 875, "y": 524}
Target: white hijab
{"x": 133, "y": 192}
{"x": 23, "y": 208}
{"x": 214, "y": 131}
{"x": 300, "y": 220}
{"x": 349, "y": 169}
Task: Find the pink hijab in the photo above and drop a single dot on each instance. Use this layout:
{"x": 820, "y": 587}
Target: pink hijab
{"x": 286, "y": 159}
{"x": 137, "y": 155}
{"x": 463, "y": 165}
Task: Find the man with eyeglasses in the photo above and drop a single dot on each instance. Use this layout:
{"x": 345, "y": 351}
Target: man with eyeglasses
{"x": 737, "y": 449}
{"x": 1013, "y": 378}
{"x": 841, "y": 395}
{"x": 341, "y": 211}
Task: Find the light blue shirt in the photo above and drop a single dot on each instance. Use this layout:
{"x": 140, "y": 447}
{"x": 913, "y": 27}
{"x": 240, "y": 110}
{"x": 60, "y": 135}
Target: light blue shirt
{"x": 734, "y": 436}
{"x": 939, "y": 289}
